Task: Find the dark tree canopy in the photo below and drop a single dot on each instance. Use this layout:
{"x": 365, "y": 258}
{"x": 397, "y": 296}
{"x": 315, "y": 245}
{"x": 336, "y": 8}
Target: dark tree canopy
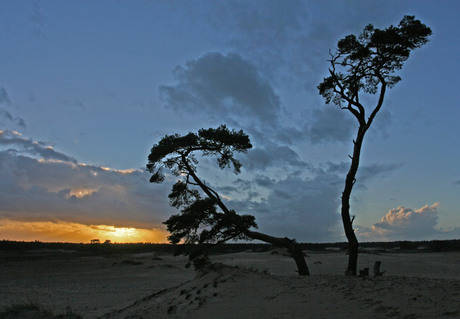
{"x": 173, "y": 151}
{"x": 201, "y": 223}
{"x": 200, "y": 220}
{"x": 362, "y": 64}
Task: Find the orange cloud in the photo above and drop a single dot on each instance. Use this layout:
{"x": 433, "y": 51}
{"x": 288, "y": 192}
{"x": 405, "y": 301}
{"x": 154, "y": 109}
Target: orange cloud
{"x": 61, "y": 231}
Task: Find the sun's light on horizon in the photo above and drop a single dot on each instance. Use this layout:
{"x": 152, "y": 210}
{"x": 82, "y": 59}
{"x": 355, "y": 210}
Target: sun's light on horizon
{"x": 61, "y": 231}
{"x": 124, "y": 232}
{"x": 121, "y": 234}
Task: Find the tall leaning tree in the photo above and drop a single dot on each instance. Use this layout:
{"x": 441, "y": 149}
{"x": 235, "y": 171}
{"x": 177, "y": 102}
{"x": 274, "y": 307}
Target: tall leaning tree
{"x": 204, "y": 219}
{"x": 364, "y": 66}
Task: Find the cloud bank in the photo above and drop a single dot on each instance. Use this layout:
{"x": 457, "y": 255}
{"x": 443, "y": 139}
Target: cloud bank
{"x": 229, "y": 89}
{"x": 403, "y": 223}
{"x": 21, "y": 145}
{"x": 39, "y": 183}
{"x": 222, "y": 86}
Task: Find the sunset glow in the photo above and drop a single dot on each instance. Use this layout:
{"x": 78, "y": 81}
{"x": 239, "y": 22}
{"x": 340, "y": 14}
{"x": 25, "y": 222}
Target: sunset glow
{"x": 60, "y": 231}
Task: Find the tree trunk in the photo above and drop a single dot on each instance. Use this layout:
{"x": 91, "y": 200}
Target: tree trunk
{"x": 300, "y": 261}
{"x": 346, "y": 220}
{"x": 292, "y": 246}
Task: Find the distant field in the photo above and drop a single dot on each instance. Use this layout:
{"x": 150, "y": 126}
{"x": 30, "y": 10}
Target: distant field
{"x": 402, "y": 246}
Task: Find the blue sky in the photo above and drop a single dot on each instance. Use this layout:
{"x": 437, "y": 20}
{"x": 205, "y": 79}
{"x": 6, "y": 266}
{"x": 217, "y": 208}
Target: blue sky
{"x": 87, "y": 87}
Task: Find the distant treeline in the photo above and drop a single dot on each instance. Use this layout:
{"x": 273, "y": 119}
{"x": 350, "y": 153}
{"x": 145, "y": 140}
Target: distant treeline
{"x": 116, "y": 248}
{"x": 23, "y": 246}
{"x": 432, "y": 245}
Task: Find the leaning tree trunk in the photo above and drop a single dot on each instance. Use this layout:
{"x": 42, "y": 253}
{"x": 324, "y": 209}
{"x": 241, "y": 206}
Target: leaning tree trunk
{"x": 347, "y": 221}
{"x": 292, "y": 246}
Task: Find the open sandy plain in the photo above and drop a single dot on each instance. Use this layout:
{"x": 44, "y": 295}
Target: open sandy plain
{"x": 264, "y": 285}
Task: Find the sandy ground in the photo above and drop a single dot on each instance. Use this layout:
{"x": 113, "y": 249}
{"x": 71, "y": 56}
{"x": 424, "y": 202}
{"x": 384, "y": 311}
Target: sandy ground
{"x": 246, "y": 285}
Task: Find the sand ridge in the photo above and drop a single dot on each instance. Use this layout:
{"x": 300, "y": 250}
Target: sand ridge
{"x": 232, "y": 292}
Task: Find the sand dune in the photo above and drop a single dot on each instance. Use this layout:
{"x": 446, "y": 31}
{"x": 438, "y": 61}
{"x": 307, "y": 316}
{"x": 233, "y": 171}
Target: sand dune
{"x": 241, "y": 285}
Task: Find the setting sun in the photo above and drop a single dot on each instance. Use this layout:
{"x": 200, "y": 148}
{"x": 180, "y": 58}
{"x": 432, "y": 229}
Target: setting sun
{"x": 124, "y": 232}
{"x": 61, "y": 231}
{"x": 128, "y": 234}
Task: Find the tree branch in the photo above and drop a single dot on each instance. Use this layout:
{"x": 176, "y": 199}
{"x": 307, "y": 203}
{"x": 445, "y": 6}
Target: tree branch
{"x": 358, "y": 113}
{"x": 379, "y": 103}
{"x": 209, "y": 191}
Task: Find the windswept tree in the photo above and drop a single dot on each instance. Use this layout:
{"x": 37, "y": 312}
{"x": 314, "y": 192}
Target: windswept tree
{"x": 204, "y": 218}
{"x": 361, "y": 66}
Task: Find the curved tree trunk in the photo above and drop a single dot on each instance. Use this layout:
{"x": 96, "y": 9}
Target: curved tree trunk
{"x": 292, "y": 246}
{"x": 345, "y": 211}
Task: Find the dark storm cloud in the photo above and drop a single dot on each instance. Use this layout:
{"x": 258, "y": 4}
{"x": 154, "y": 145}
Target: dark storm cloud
{"x": 222, "y": 87}
{"x": 24, "y": 145}
{"x": 37, "y": 189}
{"x": 37, "y": 182}
{"x": 229, "y": 89}
{"x": 272, "y": 155}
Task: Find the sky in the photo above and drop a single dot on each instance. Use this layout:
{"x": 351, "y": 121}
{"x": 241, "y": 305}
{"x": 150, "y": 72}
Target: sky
{"x": 88, "y": 87}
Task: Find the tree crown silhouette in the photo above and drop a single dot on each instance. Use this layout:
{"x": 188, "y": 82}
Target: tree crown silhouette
{"x": 200, "y": 220}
